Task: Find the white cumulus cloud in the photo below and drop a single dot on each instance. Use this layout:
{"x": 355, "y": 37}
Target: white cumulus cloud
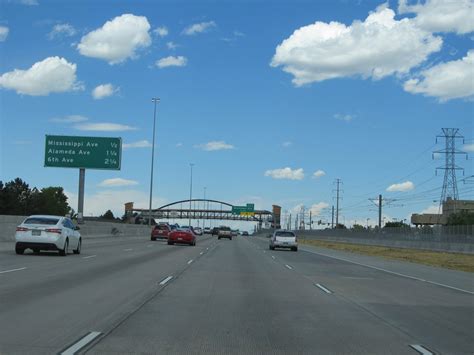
{"x": 161, "y": 31}
{"x": 171, "y": 45}
{"x": 103, "y": 91}
{"x": 117, "y": 40}
{"x": 375, "y": 48}
{"x": 433, "y": 209}
{"x": 51, "y": 75}
{"x": 4, "y": 30}
{"x": 342, "y": 117}
{"x": 446, "y": 81}
{"x": 117, "y": 182}
{"x": 318, "y": 174}
{"x": 215, "y": 145}
{"x": 172, "y": 61}
{"x": 62, "y": 29}
{"x": 469, "y": 148}
{"x": 286, "y": 173}
{"x": 103, "y": 127}
{"x": 442, "y": 15}
{"x": 199, "y": 28}
{"x": 139, "y": 144}
{"x": 69, "y": 119}
{"x": 401, "y": 187}
{"x": 317, "y": 208}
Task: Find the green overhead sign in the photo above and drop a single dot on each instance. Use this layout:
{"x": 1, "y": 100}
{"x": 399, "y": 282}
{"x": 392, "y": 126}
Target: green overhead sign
{"x": 83, "y": 152}
{"x": 244, "y": 210}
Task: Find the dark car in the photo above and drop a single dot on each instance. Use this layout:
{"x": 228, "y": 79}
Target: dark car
{"x": 245, "y": 234}
{"x": 215, "y": 231}
{"x": 182, "y": 235}
{"x": 160, "y": 231}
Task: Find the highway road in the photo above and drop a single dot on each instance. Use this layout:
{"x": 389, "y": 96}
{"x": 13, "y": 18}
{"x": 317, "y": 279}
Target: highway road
{"x": 134, "y": 296}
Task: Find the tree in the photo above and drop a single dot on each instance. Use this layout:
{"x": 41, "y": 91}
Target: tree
{"x": 15, "y": 198}
{"x": 108, "y": 215}
{"x": 358, "y": 228}
{"x": 52, "y": 200}
{"x": 461, "y": 218}
{"x": 396, "y": 225}
{"x": 340, "y": 226}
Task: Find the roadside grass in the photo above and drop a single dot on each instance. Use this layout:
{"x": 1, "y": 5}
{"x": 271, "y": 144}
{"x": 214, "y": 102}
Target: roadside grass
{"x": 455, "y": 261}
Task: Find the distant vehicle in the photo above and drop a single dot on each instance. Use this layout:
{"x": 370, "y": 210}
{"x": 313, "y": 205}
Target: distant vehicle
{"x": 160, "y": 231}
{"x": 215, "y": 231}
{"x": 234, "y": 233}
{"x": 43, "y": 232}
{"x": 182, "y": 235}
{"x": 245, "y": 233}
{"x": 224, "y": 232}
{"x": 283, "y": 239}
{"x": 207, "y": 230}
{"x": 198, "y": 231}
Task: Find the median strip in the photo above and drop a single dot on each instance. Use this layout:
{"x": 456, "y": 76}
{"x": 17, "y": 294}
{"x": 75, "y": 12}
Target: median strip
{"x": 73, "y": 349}
{"x": 12, "y": 270}
{"x": 166, "y": 280}
{"x": 323, "y": 288}
{"x": 421, "y": 349}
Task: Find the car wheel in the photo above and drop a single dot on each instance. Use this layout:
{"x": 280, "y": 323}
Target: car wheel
{"x": 65, "y": 250}
{"x": 19, "y": 250}
{"x": 78, "y": 250}
{"x": 153, "y": 238}
{"x": 230, "y": 238}
{"x": 294, "y": 249}
{"x": 218, "y": 238}
{"x": 170, "y": 243}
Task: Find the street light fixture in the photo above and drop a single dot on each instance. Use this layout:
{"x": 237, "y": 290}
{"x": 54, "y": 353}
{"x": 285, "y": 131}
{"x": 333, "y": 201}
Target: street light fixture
{"x": 155, "y": 100}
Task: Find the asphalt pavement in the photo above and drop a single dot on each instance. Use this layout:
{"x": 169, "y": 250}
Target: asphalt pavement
{"x": 134, "y": 296}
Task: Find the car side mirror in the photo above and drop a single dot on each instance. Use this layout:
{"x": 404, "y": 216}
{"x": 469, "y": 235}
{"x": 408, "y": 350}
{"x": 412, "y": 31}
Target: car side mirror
{"x": 77, "y": 228}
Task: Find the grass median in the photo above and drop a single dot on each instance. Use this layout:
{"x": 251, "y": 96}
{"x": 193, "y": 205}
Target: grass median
{"x": 455, "y": 261}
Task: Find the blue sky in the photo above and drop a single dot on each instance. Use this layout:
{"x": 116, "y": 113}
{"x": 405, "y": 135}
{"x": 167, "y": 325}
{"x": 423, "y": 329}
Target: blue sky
{"x": 258, "y": 96}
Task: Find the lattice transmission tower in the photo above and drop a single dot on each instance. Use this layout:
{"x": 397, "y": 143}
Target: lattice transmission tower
{"x": 450, "y": 186}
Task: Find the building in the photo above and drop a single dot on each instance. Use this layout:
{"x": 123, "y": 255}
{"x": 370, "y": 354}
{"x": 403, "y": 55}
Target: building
{"x": 449, "y": 207}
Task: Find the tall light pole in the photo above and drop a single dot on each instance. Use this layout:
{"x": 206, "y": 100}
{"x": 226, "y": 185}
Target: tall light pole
{"x": 205, "y": 208}
{"x": 155, "y": 100}
{"x": 190, "y": 191}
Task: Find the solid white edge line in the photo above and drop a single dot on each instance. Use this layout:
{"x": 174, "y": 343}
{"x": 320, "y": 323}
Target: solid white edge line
{"x": 166, "y": 280}
{"x": 393, "y": 272}
{"x": 288, "y": 266}
{"x": 190, "y": 261}
{"x": 323, "y": 288}
{"x": 421, "y": 349}
{"x": 88, "y": 257}
{"x": 4, "y": 272}
{"x": 81, "y": 343}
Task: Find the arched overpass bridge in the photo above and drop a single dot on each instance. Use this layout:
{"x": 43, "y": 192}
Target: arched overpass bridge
{"x": 199, "y": 209}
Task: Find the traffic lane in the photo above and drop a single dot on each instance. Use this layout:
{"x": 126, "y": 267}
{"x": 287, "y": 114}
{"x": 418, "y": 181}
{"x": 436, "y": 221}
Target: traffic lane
{"x": 11, "y": 262}
{"x": 439, "y": 316}
{"x": 235, "y": 300}
{"x": 95, "y": 294}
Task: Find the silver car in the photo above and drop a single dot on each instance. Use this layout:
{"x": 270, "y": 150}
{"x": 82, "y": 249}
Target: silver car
{"x": 283, "y": 239}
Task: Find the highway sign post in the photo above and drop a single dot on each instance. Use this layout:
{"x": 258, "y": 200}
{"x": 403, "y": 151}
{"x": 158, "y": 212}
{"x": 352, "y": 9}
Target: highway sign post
{"x": 103, "y": 153}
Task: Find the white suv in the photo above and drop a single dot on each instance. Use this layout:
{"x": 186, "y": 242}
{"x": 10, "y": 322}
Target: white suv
{"x": 283, "y": 239}
{"x": 48, "y": 233}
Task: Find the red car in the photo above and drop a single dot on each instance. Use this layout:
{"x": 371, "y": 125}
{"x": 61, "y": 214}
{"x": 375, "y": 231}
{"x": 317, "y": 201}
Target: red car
{"x": 160, "y": 231}
{"x": 182, "y": 235}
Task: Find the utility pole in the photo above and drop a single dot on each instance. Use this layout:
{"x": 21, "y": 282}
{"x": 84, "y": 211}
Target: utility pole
{"x": 155, "y": 100}
{"x": 338, "y": 182}
{"x": 310, "y": 221}
{"x": 379, "y": 201}
{"x": 289, "y": 223}
{"x": 450, "y": 187}
{"x": 332, "y": 217}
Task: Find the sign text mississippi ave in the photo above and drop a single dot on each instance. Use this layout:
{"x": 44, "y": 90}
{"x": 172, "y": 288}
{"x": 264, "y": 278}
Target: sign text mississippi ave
{"x": 83, "y": 152}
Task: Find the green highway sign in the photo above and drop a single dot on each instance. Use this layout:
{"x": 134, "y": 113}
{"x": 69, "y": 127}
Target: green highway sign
{"x": 243, "y": 210}
{"x": 83, "y": 152}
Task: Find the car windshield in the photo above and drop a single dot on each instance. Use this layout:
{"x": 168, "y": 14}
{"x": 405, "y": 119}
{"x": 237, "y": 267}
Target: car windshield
{"x": 41, "y": 220}
{"x": 162, "y": 227}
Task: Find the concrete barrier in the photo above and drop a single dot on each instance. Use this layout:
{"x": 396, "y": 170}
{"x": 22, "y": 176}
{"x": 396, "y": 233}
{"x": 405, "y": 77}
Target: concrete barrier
{"x": 90, "y": 229}
{"x": 433, "y": 243}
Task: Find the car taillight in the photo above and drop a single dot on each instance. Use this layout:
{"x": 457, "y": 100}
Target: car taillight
{"x": 21, "y": 229}
{"x": 54, "y": 230}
